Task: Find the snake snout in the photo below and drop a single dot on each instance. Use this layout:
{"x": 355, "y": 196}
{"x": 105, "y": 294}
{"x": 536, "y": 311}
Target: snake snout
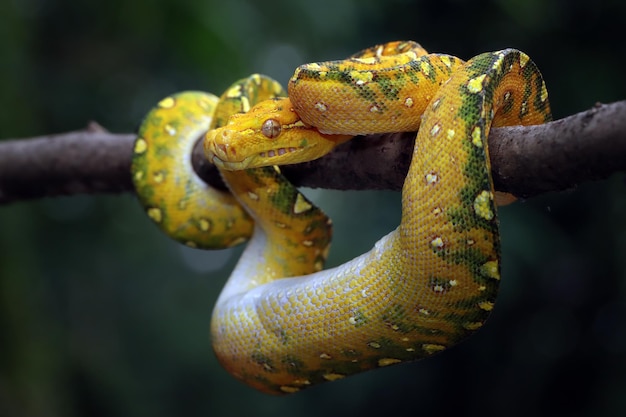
{"x": 218, "y": 144}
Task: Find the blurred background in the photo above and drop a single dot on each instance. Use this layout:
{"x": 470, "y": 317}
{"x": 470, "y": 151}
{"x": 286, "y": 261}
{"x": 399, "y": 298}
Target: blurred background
{"x": 102, "y": 315}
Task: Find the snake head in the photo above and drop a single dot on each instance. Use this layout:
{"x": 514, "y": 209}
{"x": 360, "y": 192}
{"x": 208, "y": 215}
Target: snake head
{"x": 271, "y": 133}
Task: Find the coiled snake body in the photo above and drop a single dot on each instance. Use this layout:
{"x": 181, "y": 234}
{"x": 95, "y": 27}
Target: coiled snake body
{"x": 422, "y": 288}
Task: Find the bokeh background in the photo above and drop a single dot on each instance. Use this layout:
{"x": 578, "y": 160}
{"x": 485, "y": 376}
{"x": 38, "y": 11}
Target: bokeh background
{"x": 102, "y": 315}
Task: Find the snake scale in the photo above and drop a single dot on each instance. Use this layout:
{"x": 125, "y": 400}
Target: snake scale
{"x": 282, "y": 323}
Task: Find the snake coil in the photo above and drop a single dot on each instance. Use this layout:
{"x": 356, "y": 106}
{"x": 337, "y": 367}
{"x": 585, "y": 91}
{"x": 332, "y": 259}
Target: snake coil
{"x": 282, "y": 323}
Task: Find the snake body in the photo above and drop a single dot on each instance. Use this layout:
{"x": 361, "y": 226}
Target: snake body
{"x": 424, "y": 286}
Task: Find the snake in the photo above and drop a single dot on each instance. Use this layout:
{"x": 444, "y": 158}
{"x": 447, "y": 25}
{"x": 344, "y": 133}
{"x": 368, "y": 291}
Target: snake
{"x": 282, "y": 323}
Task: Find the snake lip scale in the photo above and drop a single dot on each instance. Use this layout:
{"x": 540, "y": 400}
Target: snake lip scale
{"x": 218, "y": 155}
{"x": 282, "y": 323}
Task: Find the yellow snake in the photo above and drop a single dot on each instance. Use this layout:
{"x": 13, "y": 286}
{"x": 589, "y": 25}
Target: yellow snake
{"x": 422, "y": 288}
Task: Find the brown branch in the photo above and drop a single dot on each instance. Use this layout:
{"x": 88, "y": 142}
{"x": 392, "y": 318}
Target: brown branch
{"x": 526, "y": 161}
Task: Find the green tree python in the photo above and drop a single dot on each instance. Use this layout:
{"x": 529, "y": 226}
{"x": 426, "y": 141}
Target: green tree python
{"x": 282, "y": 323}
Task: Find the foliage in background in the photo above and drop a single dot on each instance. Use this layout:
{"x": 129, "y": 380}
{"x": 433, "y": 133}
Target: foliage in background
{"x": 102, "y": 315}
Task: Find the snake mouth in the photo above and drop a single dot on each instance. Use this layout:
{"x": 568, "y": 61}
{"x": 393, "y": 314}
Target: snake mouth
{"x": 278, "y": 156}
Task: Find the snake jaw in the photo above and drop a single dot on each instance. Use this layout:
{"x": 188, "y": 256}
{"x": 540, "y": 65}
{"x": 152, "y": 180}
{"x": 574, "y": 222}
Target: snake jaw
{"x": 220, "y": 156}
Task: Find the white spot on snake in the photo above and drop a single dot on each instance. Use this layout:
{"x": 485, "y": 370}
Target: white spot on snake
{"x": 170, "y": 129}
{"x": 453, "y": 282}
{"x": 446, "y": 61}
{"x": 205, "y": 225}
{"x": 361, "y": 77}
{"x": 475, "y": 85}
{"x": 370, "y": 60}
{"x": 374, "y": 108}
{"x": 408, "y": 102}
{"x": 523, "y": 60}
{"x": 431, "y": 348}
{"x": 476, "y": 137}
{"x": 325, "y": 356}
{"x": 155, "y": 214}
{"x": 302, "y": 382}
{"x": 234, "y": 92}
{"x": 388, "y": 361}
{"x": 374, "y": 345}
{"x": 450, "y": 134}
{"x": 432, "y": 178}
{"x": 437, "y": 243}
{"x": 321, "y": 106}
{"x": 490, "y": 269}
{"x": 333, "y": 377}
{"x": 167, "y": 103}
{"x": 482, "y": 205}
{"x": 436, "y": 104}
{"x": 434, "y": 131}
{"x": 425, "y": 68}
{"x": 245, "y": 104}
{"x": 158, "y": 177}
{"x": 497, "y": 65}
{"x": 486, "y": 305}
{"x": 523, "y": 108}
{"x": 474, "y": 325}
{"x": 140, "y": 146}
{"x": 253, "y": 196}
{"x": 301, "y": 205}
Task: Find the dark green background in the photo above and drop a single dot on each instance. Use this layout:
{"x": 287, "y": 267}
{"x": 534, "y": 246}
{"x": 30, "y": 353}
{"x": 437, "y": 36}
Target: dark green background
{"x": 102, "y": 315}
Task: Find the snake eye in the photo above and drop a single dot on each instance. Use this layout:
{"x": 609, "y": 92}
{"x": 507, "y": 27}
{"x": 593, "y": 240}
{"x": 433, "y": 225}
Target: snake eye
{"x": 271, "y": 128}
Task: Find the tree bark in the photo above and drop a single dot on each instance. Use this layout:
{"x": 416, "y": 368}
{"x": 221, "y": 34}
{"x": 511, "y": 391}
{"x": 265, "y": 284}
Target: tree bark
{"x": 526, "y": 161}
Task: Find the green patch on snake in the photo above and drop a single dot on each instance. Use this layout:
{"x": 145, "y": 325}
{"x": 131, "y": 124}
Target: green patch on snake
{"x": 470, "y": 304}
{"x": 263, "y": 360}
{"x": 293, "y": 365}
{"x": 439, "y": 285}
{"x": 351, "y": 353}
{"x": 403, "y": 351}
{"x": 285, "y": 197}
{"x": 163, "y": 150}
{"x": 358, "y": 318}
{"x": 391, "y": 87}
{"x": 472, "y": 258}
{"x": 394, "y": 317}
{"x": 507, "y": 106}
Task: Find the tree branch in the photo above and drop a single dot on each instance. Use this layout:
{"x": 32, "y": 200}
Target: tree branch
{"x": 526, "y": 161}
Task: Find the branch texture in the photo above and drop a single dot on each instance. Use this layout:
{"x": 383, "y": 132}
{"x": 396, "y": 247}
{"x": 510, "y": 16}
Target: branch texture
{"x": 526, "y": 161}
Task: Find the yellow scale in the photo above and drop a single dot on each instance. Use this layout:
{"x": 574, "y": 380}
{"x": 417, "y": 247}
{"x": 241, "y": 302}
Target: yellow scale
{"x": 282, "y": 323}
